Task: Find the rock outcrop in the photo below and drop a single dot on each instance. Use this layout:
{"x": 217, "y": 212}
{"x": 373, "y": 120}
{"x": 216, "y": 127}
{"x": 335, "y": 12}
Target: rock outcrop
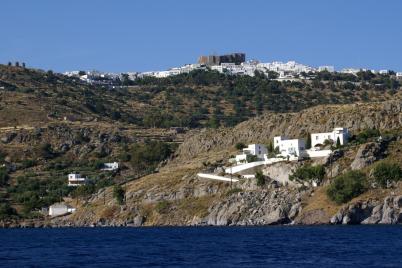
{"x": 281, "y": 171}
{"x": 367, "y": 154}
{"x": 267, "y": 207}
{"x": 371, "y": 212}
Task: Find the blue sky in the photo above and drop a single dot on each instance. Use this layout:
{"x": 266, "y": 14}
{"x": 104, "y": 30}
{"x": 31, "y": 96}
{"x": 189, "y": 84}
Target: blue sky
{"x": 123, "y": 35}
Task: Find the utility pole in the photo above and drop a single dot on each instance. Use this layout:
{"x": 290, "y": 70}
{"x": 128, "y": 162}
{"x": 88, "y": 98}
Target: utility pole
{"x": 231, "y": 175}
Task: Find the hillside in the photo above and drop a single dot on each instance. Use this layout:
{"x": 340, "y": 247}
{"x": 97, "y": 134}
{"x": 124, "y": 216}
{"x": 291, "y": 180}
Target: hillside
{"x": 52, "y": 125}
{"x": 31, "y": 97}
{"x": 356, "y": 117}
{"x": 175, "y": 196}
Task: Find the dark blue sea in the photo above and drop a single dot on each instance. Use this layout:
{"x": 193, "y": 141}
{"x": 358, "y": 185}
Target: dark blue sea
{"x": 315, "y": 246}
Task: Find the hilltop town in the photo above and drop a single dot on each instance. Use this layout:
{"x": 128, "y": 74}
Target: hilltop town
{"x": 231, "y": 64}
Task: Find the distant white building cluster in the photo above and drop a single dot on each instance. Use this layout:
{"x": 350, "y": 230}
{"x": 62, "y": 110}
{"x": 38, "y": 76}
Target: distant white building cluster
{"x": 96, "y": 77}
{"x": 173, "y": 71}
{"x": 232, "y": 64}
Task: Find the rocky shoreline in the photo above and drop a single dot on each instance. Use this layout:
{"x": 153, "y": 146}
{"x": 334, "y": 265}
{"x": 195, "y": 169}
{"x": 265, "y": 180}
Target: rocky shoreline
{"x": 271, "y": 211}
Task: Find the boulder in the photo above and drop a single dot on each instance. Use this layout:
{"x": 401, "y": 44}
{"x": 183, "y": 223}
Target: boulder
{"x": 367, "y": 154}
{"x": 353, "y": 214}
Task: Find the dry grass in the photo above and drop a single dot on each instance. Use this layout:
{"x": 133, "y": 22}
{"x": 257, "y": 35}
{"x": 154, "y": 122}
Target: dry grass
{"x": 320, "y": 201}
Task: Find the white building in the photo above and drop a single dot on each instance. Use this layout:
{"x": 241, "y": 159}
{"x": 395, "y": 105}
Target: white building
{"x": 290, "y": 147}
{"x": 257, "y": 150}
{"x": 399, "y": 74}
{"x": 290, "y": 66}
{"x": 383, "y": 71}
{"x": 110, "y": 166}
{"x": 75, "y": 180}
{"x": 353, "y": 71}
{"x": 58, "y": 209}
{"x": 320, "y": 138}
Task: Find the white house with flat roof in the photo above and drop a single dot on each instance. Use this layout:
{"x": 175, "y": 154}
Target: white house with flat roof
{"x": 58, "y": 209}
{"x": 338, "y": 133}
{"x": 110, "y": 166}
{"x": 257, "y": 150}
{"x": 290, "y": 147}
{"x": 75, "y": 179}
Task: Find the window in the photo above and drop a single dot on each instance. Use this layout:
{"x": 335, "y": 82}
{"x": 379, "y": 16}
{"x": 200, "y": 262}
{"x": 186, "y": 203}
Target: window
{"x": 316, "y": 137}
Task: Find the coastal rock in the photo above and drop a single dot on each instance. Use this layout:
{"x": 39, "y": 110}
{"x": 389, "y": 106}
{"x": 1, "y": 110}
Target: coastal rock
{"x": 263, "y": 207}
{"x": 389, "y": 211}
{"x": 313, "y": 217}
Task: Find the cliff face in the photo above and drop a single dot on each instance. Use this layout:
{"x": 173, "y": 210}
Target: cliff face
{"x": 383, "y": 116}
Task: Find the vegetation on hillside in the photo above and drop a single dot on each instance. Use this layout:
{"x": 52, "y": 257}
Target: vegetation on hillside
{"x": 196, "y": 99}
{"x": 308, "y": 173}
{"x": 347, "y": 186}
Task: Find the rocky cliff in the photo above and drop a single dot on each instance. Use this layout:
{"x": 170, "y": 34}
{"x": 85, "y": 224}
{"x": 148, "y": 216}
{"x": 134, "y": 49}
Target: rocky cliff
{"x": 386, "y": 211}
{"x": 383, "y": 116}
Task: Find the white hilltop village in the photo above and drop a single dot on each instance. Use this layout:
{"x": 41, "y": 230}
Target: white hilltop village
{"x": 231, "y": 64}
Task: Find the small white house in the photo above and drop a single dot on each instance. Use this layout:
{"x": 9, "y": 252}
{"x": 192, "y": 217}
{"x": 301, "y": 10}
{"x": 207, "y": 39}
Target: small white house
{"x": 290, "y": 147}
{"x": 110, "y": 166}
{"x": 383, "y": 71}
{"x": 257, "y": 150}
{"x": 58, "y": 209}
{"x": 75, "y": 179}
{"x": 320, "y": 138}
{"x": 399, "y": 74}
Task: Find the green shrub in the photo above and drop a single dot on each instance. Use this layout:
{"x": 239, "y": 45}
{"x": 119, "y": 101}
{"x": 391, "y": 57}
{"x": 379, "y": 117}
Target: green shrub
{"x": 338, "y": 143}
{"x": 233, "y": 191}
{"x": 240, "y": 146}
{"x": 260, "y": 178}
{"x": 367, "y": 134}
{"x": 308, "y": 141}
{"x": 308, "y": 173}
{"x": 45, "y": 151}
{"x": 3, "y": 176}
{"x": 162, "y": 207}
{"x": 98, "y": 164}
{"x": 27, "y": 163}
{"x": 146, "y": 156}
{"x": 6, "y": 211}
{"x": 384, "y": 173}
{"x": 118, "y": 194}
{"x": 251, "y": 158}
{"x": 83, "y": 190}
{"x": 347, "y": 186}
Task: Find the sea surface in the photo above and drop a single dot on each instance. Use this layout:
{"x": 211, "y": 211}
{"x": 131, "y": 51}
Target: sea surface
{"x": 282, "y": 246}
